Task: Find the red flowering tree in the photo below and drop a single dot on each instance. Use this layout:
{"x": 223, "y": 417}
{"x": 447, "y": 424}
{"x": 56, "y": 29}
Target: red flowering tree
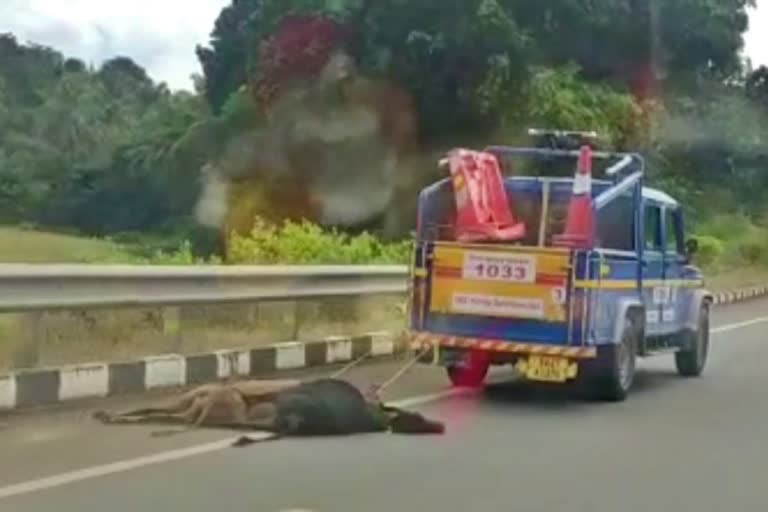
{"x": 298, "y": 51}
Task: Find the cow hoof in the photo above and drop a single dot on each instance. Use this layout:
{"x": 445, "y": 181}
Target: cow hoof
{"x": 243, "y": 441}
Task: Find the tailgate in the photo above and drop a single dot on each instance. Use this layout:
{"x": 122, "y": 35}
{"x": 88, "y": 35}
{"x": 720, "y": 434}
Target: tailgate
{"x": 507, "y": 293}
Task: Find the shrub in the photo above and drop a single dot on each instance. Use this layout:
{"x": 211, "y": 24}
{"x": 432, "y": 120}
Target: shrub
{"x": 752, "y": 251}
{"x": 710, "y": 250}
{"x": 740, "y": 240}
{"x": 726, "y": 227}
{"x": 184, "y": 255}
{"x": 306, "y": 243}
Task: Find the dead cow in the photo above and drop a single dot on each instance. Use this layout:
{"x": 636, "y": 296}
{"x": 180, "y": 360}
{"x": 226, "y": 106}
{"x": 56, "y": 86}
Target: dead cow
{"x": 322, "y": 407}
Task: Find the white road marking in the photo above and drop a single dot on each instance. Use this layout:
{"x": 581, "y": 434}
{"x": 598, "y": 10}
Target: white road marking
{"x": 740, "y": 325}
{"x": 71, "y": 477}
{"x": 169, "y": 456}
{"x": 108, "y": 469}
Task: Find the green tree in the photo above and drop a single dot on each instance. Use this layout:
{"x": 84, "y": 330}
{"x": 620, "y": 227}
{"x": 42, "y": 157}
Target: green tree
{"x": 146, "y": 181}
{"x": 225, "y": 60}
{"x": 98, "y": 151}
{"x": 26, "y": 69}
{"x": 108, "y": 149}
{"x": 757, "y": 86}
{"x": 558, "y": 97}
{"x": 462, "y": 59}
{"x": 459, "y": 58}
{"x": 637, "y": 41}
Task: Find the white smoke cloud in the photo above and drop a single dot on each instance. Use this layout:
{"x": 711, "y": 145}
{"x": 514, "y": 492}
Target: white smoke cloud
{"x": 211, "y": 208}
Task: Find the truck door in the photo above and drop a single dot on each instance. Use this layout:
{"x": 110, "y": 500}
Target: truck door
{"x": 654, "y": 291}
{"x": 674, "y": 268}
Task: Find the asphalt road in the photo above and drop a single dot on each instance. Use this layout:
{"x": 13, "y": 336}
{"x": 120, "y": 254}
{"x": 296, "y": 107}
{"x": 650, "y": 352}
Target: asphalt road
{"x": 676, "y": 444}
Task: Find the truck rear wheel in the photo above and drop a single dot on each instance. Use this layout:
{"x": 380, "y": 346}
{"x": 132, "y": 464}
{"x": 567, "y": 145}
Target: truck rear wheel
{"x": 616, "y": 366}
{"x": 691, "y": 360}
{"x": 472, "y": 370}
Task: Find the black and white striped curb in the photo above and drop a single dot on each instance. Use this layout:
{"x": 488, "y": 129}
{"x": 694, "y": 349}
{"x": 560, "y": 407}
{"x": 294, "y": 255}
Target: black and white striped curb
{"x": 739, "y": 295}
{"x": 92, "y": 380}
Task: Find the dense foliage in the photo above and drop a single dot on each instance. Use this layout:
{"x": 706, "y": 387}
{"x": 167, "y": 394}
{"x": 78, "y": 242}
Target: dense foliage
{"x": 466, "y": 61}
{"x": 306, "y": 243}
{"x": 107, "y": 151}
{"x": 92, "y": 149}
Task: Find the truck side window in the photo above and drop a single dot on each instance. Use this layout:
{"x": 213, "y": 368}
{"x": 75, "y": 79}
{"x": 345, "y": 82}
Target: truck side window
{"x": 615, "y": 225}
{"x": 671, "y": 224}
{"x": 652, "y": 228}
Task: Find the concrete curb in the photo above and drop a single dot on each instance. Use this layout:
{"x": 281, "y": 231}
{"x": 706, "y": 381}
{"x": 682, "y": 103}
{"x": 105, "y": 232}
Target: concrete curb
{"x": 47, "y": 386}
{"x": 739, "y": 295}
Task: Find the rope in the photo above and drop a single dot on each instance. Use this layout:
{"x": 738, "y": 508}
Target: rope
{"x": 398, "y": 374}
{"x": 351, "y": 365}
{"x": 402, "y": 371}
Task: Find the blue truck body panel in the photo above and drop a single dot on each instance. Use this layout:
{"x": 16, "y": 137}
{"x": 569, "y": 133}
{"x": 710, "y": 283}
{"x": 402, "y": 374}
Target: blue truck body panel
{"x": 646, "y": 269}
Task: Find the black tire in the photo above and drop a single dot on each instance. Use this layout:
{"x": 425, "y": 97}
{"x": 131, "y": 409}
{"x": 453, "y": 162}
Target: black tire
{"x": 691, "y": 360}
{"x": 472, "y": 372}
{"x": 615, "y": 372}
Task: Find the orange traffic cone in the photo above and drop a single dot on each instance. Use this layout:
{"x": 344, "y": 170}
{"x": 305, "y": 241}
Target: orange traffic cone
{"x": 483, "y": 209}
{"x": 579, "y": 227}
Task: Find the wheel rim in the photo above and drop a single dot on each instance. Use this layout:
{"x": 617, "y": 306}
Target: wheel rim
{"x": 626, "y": 365}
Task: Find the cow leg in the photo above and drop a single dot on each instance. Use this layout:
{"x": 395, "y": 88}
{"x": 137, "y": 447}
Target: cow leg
{"x": 152, "y": 417}
{"x": 181, "y": 405}
{"x": 224, "y": 408}
{"x": 193, "y": 417}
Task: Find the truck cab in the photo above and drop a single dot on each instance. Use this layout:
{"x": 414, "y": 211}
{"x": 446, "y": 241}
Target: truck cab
{"x": 568, "y": 279}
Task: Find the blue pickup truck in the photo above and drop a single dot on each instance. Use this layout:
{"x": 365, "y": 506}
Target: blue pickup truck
{"x": 567, "y": 279}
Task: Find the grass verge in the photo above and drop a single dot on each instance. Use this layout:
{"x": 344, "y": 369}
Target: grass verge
{"x": 18, "y": 245}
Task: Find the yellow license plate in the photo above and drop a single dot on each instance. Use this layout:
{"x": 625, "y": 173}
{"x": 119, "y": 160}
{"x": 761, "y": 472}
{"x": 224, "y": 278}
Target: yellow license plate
{"x": 549, "y": 369}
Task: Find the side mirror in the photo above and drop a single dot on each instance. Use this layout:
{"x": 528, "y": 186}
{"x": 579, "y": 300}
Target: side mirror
{"x": 691, "y": 247}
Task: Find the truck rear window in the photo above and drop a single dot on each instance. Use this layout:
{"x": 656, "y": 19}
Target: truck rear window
{"x": 439, "y": 213}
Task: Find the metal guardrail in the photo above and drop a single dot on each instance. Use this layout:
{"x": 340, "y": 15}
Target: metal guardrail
{"x": 45, "y": 287}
